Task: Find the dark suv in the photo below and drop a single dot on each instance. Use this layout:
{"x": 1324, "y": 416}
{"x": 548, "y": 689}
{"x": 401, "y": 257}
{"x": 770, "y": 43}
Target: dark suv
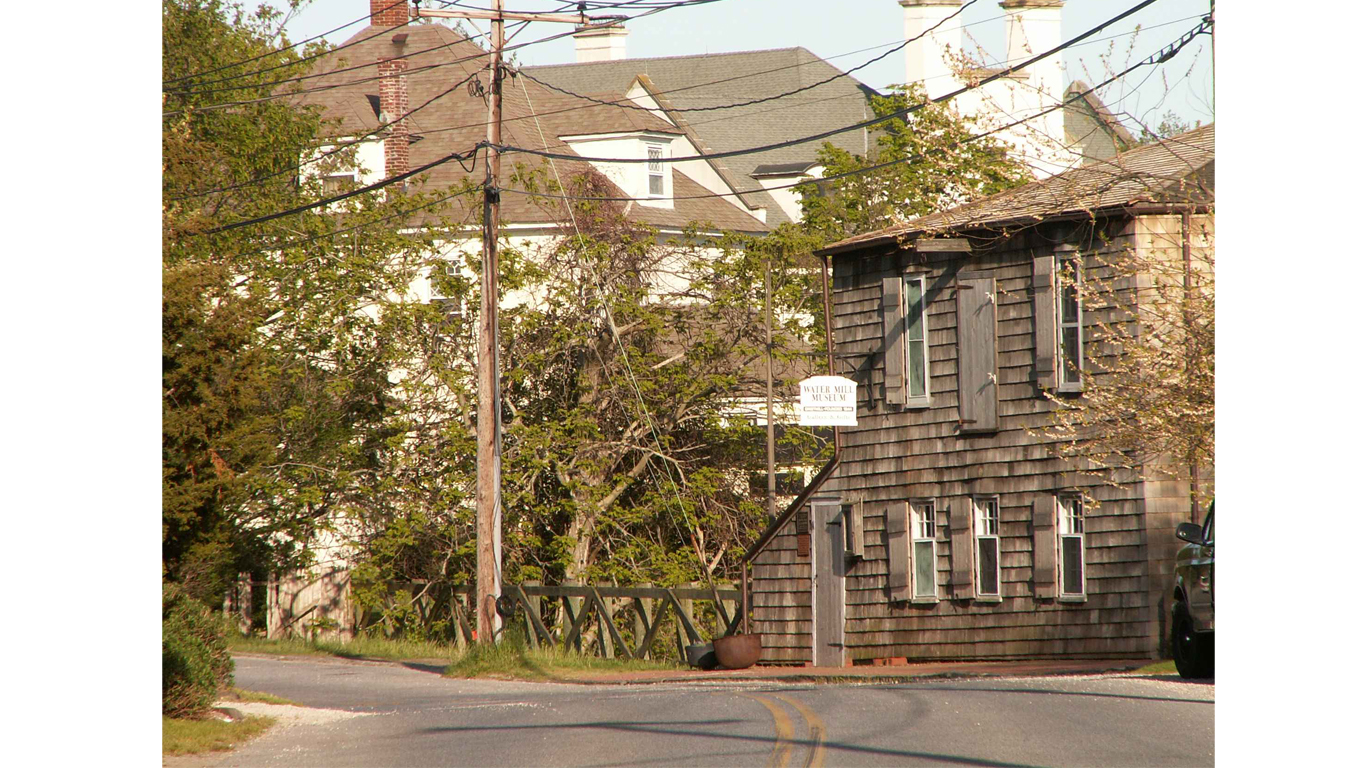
{"x": 1193, "y": 600}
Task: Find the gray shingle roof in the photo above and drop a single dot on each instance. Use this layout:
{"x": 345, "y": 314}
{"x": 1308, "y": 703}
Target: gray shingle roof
{"x": 534, "y": 116}
{"x": 716, "y": 79}
{"x": 1176, "y": 170}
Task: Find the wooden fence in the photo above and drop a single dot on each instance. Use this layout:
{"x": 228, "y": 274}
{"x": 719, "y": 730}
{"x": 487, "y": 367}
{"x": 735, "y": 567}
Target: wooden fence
{"x": 630, "y": 622}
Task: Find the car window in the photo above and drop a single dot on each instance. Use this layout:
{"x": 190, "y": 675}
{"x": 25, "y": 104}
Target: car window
{"x": 1209, "y": 528}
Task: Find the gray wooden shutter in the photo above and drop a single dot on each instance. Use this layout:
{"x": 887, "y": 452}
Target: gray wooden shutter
{"x": 960, "y": 542}
{"x": 1045, "y": 550}
{"x": 898, "y": 551}
{"x": 1045, "y": 323}
{"x": 854, "y": 541}
{"x": 977, "y": 390}
{"x": 894, "y": 343}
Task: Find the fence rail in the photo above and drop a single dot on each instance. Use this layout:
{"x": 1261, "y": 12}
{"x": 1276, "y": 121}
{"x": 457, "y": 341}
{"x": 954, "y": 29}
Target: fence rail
{"x": 638, "y": 622}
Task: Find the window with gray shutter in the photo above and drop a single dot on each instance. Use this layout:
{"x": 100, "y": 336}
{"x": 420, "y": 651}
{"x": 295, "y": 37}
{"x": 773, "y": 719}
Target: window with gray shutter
{"x": 893, "y": 343}
{"x": 1045, "y": 549}
{"x": 960, "y": 546}
{"x": 853, "y": 529}
{"x": 977, "y": 388}
{"x": 1045, "y": 323}
{"x": 898, "y": 552}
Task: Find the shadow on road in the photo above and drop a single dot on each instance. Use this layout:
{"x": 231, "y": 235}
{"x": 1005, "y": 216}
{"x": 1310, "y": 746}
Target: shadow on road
{"x": 689, "y": 728}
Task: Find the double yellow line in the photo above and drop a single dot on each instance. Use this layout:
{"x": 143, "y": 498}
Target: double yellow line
{"x": 783, "y": 731}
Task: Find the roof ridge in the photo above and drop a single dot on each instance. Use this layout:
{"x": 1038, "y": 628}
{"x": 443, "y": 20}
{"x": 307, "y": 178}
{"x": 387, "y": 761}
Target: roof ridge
{"x": 622, "y": 62}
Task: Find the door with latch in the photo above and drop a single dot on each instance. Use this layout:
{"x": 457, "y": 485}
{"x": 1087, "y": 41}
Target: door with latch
{"x": 828, "y": 577}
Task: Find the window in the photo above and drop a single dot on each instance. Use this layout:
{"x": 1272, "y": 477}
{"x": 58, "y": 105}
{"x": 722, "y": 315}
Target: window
{"x": 917, "y": 351}
{"x": 1070, "y": 355}
{"x": 1072, "y": 547}
{"x": 655, "y": 169}
{"x": 922, "y": 549}
{"x": 987, "y": 516}
{"x": 452, "y": 309}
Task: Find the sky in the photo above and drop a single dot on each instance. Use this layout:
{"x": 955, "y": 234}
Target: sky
{"x": 851, "y": 32}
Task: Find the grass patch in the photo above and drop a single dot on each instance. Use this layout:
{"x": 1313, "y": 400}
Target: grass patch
{"x": 516, "y": 662}
{"x": 358, "y": 648}
{"x": 241, "y": 694}
{"x": 1167, "y": 667}
{"x": 191, "y": 737}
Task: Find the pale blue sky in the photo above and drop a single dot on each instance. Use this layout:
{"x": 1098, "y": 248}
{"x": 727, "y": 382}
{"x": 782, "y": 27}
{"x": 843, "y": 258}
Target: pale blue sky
{"x": 835, "y": 30}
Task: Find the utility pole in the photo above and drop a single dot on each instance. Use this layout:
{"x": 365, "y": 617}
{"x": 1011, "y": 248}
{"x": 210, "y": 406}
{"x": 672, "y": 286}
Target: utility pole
{"x": 488, "y": 494}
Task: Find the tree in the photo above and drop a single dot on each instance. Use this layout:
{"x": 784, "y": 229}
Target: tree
{"x": 1147, "y": 404}
{"x": 932, "y": 162}
{"x": 278, "y": 338}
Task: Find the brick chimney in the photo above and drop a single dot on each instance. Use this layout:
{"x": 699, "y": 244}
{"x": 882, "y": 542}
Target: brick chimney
{"x": 393, "y": 104}
{"x": 925, "y": 58}
{"x": 600, "y": 44}
{"x": 389, "y": 13}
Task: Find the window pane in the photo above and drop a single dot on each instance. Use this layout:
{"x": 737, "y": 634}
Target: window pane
{"x": 656, "y": 184}
{"x": 915, "y": 339}
{"x": 986, "y": 567}
{"x": 1071, "y": 565}
{"x": 1071, "y": 353}
{"x": 924, "y": 569}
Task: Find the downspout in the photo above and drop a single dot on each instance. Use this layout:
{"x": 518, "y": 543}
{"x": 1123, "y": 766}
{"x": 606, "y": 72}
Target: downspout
{"x": 821, "y": 477}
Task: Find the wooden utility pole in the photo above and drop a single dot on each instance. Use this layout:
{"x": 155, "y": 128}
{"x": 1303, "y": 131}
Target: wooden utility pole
{"x": 488, "y": 496}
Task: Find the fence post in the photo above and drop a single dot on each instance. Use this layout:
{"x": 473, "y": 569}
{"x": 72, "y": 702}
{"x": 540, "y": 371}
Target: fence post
{"x": 643, "y": 608}
{"x": 683, "y": 640}
{"x": 609, "y": 650}
{"x": 575, "y": 606}
{"x": 533, "y": 604}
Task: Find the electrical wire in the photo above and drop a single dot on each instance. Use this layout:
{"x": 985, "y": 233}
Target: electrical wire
{"x": 457, "y": 156}
{"x": 286, "y": 48}
{"x": 836, "y": 131}
{"x": 838, "y": 74}
{"x": 1157, "y": 58}
{"x": 340, "y": 148}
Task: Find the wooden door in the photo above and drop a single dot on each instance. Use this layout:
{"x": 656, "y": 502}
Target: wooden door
{"x": 828, "y": 588}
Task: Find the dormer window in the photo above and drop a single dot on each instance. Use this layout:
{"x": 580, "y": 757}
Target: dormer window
{"x": 655, "y": 169}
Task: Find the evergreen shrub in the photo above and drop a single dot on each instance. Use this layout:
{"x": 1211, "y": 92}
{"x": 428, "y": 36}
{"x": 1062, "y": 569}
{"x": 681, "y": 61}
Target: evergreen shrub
{"x": 195, "y": 663}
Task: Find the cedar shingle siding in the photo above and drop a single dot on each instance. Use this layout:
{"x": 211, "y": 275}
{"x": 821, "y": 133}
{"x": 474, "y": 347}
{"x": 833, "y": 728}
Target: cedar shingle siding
{"x": 993, "y": 365}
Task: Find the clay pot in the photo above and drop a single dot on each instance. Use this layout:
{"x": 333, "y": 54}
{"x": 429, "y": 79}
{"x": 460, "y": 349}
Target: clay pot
{"x": 738, "y": 651}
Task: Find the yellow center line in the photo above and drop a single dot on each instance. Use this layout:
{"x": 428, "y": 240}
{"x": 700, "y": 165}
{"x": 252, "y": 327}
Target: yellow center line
{"x": 782, "y": 727}
{"x": 815, "y": 731}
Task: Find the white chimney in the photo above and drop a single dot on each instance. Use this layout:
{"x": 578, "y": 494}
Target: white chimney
{"x": 925, "y": 58}
{"x": 600, "y": 44}
{"x": 1032, "y": 27}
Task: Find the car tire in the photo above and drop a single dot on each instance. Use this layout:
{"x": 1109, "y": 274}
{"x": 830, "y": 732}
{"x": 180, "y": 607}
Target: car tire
{"x": 1193, "y": 651}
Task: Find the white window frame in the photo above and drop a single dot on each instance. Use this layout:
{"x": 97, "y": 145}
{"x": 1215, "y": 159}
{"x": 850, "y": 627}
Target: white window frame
{"x": 914, "y": 400}
{"x": 1071, "y": 525}
{"x": 924, "y": 524}
{"x": 1070, "y": 380}
{"x": 656, "y": 168}
{"x": 986, "y": 526}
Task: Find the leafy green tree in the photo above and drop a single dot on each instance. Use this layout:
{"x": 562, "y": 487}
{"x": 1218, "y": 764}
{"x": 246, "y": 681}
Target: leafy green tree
{"x": 278, "y": 338}
{"x": 932, "y": 162}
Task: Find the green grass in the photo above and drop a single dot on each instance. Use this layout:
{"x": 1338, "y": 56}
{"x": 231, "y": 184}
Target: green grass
{"x": 361, "y": 647}
{"x": 241, "y": 694}
{"x": 190, "y": 737}
{"x": 513, "y": 661}
{"x": 1167, "y": 667}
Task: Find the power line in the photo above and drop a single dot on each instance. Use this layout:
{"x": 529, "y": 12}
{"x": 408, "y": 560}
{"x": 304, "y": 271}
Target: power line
{"x": 838, "y": 74}
{"x": 457, "y": 156}
{"x": 1157, "y": 58}
{"x": 341, "y": 148}
{"x": 864, "y": 124}
{"x": 286, "y": 48}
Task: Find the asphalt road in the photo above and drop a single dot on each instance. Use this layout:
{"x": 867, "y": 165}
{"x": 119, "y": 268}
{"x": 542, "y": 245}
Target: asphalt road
{"x": 413, "y": 717}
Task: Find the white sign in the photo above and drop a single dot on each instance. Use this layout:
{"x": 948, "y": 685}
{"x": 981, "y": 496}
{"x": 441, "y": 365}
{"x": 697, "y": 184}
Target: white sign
{"x": 829, "y": 401}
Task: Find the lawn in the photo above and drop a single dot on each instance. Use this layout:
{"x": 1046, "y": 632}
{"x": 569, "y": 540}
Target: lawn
{"x": 189, "y": 737}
